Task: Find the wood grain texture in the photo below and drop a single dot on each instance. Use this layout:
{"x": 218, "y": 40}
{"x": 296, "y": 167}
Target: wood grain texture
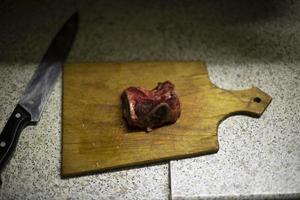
{"x": 96, "y": 137}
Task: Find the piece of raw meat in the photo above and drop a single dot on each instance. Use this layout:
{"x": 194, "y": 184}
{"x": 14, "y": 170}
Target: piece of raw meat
{"x": 149, "y": 109}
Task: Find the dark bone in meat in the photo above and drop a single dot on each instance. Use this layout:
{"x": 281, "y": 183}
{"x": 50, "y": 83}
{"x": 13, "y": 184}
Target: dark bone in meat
{"x": 148, "y": 109}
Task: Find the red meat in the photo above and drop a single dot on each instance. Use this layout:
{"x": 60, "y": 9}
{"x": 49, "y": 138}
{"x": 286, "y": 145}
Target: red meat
{"x": 149, "y": 109}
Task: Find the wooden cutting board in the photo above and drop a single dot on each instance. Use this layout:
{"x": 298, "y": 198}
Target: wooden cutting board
{"x": 96, "y": 137}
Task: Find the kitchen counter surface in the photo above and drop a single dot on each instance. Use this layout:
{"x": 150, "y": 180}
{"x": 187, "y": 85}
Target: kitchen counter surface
{"x": 244, "y": 44}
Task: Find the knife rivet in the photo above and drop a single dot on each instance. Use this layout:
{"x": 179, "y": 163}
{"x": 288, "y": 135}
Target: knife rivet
{"x": 18, "y": 115}
{"x": 2, "y": 144}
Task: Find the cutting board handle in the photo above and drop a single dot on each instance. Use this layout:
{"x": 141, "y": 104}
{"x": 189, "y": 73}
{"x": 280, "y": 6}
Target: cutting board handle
{"x": 251, "y": 102}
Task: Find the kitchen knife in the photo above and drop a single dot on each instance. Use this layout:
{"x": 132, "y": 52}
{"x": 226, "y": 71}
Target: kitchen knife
{"x": 28, "y": 110}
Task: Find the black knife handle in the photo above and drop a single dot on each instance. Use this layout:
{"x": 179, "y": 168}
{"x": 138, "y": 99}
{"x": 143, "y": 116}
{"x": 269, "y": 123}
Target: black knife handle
{"x": 18, "y": 120}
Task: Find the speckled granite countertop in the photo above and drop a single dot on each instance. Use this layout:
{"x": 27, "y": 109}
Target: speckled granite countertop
{"x": 245, "y": 43}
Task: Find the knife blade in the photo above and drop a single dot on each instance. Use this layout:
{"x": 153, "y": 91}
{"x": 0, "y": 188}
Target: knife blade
{"x": 28, "y": 110}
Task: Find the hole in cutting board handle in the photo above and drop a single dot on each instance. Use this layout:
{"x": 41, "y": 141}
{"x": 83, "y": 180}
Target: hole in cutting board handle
{"x": 257, "y": 99}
